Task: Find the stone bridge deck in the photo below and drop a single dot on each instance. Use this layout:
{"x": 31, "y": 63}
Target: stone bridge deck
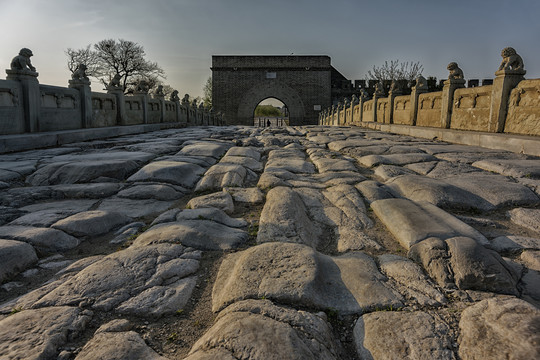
{"x": 279, "y": 243}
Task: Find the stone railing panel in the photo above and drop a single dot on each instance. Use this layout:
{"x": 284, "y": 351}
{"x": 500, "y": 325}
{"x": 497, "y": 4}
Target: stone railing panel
{"x": 11, "y": 110}
{"x": 402, "y": 110}
{"x": 60, "y": 108}
{"x": 154, "y": 111}
{"x": 367, "y": 115}
{"x": 170, "y": 112}
{"x": 524, "y": 109}
{"x": 470, "y": 110}
{"x": 134, "y": 110}
{"x": 104, "y": 110}
{"x": 429, "y": 109}
{"x": 382, "y": 109}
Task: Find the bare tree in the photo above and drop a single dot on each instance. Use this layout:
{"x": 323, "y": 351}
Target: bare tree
{"x": 207, "y": 91}
{"x": 396, "y": 70}
{"x": 110, "y": 57}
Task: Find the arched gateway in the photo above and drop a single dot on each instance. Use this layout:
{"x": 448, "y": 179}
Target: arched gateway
{"x": 302, "y": 83}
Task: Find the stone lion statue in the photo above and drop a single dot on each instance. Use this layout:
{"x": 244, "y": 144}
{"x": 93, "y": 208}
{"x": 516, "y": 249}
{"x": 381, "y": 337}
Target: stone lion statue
{"x": 455, "y": 71}
{"x": 511, "y": 60}
{"x": 22, "y": 61}
{"x": 159, "y": 91}
{"x": 379, "y": 89}
{"x": 80, "y": 73}
{"x": 185, "y": 99}
{"x": 115, "y": 81}
{"x": 421, "y": 83}
{"x": 142, "y": 86}
{"x": 364, "y": 94}
{"x": 174, "y": 96}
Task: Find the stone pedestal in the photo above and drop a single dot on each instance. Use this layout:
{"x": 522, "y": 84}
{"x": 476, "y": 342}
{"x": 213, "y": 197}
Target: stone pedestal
{"x": 85, "y": 93}
{"x": 31, "y": 96}
{"x": 121, "y": 118}
{"x": 144, "y": 96}
{"x": 354, "y": 102}
{"x": 415, "y": 93}
{"x": 161, "y": 99}
{"x": 390, "y": 114}
{"x": 503, "y": 84}
{"x": 376, "y": 97}
{"x": 447, "y": 100}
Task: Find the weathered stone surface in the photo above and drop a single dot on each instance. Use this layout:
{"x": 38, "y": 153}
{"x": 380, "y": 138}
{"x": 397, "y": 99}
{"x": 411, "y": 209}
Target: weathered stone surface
{"x": 329, "y": 164}
{"x": 412, "y": 281}
{"x": 500, "y": 328}
{"x": 254, "y": 329}
{"x": 43, "y": 239}
{"x": 373, "y": 191}
{"x": 531, "y": 259}
{"x": 134, "y": 208}
{"x": 91, "y": 223}
{"x": 294, "y": 273}
{"x": 246, "y": 162}
{"x": 387, "y": 172}
{"x": 477, "y": 268}
{"x": 41, "y": 218}
{"x": 200, "y": 148}
{"x": 8, "y": 213}
{"x": 15, "y": 256}
{"x": 199, "y": 234}
{"x": 244, "y": 152}
{"x": 173, "y": 172}
{"x": 246, "y": 195}
{"x": 284, "y": 218}
{"x": 437, "y": 192}
{"x": 213, "y": 214}
{"x": 432, "y": 253}
{"x": 514, "y": 243}
{"x": 529, "y": 218}
{"x": 411, "y": 222}
{"x": 117, "y": 346}
{"x": 402, "y": 335}
{"x": 514, "y": 168}
{"x": 68, "y": 206}
{"x": 152, "y": 191}
{"x": 37, "y": 334}
{"x": 395, "y": 159}
{"x": 220, "y": 200}
{"x": 222, "y": 175}
{"x": 134, "y": 273}
{"x": 82, "y": 172}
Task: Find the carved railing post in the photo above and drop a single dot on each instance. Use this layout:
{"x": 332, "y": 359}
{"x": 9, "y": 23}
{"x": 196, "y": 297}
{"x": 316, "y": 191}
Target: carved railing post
{"x": 421, "y": 87}
{"x": 81, "y": 83}
{"x": 455, "y": 81}
{"x": 510, "y": 73}
{"x": 121, "y": 117}
{"x": 22, "y": 71}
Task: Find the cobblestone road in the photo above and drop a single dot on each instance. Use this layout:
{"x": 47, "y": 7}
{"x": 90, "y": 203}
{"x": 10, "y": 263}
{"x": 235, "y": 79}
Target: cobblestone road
{"x": 277, "y": 243}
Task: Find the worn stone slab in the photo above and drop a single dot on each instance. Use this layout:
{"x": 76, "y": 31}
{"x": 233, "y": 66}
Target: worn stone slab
{"x": 402, "y": 335}
{"x": 15, "y": 256}
{"x": 531, "y": 259}
{"x": 514, "y": 243}
{"x": 251, "y": 195}
{"x": 528, "y": 218}
{"x": 394, "y": 159}
{"x": 117, "y": 345}
{"x": 213, "y": 214}
{"x": 329, "y": 164}
{"x": 152, "y": 191}
{"x": 44, "y": 240}
{"x": 387, "y": 172}
{"x": 220, "y": 200}
{"x": 70, "y": 206}
{"x": 8, "y": 214}
{"x": 82, "y": 172}
{"x": 411, "y": 222}
{"x": 222, "y": 175}
{"x": 252, "y": 329}
{"x": 476, "y": 268}
{"x": 199, "y": 234}
{"x": 173, "y": 172}
{"x": 284, "y": 218}
{"x": 137, "y": 156}
{"x": 500, "y": 328}
{"x": 411, "y": 280}
{"x": 122, "y": 276}
{"x": 42, "y": 218}
{"x": 294, "y": 165}
{"x": 91, "y": 223}
{"x": 373, "y": 191}
{"x": 442, "y": 169}
{"x": 37, "y": 334}
{"x": 437, "y": 192}
{"x": 134, "y": 208}
{"x": 245, "y": 161}
{"x": 294, "y": 273}
{"x": 244, "y": 152}
{"x": 200, "y": 148}
{"x": 516, "y": 168}
{"x": 349, "y": 143}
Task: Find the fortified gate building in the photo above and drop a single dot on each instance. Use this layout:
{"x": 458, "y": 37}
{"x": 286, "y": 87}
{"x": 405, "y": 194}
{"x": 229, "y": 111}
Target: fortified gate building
{"x": 306, "y": 84}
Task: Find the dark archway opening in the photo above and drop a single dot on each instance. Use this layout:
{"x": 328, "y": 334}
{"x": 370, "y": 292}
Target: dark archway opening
{"x": 271, "y": 112}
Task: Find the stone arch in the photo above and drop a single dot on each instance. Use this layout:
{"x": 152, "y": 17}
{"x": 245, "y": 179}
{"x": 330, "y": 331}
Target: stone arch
{"x": 271, "y": 89}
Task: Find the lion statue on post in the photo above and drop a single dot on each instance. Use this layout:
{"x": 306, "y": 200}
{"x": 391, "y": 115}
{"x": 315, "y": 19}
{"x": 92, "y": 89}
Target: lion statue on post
{"x": 455, "y": 71}
{"x": 22, "y": 61}
{"x": 80, "y": 73}
{"x": 511, "y": 60}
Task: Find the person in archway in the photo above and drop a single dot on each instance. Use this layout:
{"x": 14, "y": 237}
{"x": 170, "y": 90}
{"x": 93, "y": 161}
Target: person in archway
{"x": 268, "y": 123}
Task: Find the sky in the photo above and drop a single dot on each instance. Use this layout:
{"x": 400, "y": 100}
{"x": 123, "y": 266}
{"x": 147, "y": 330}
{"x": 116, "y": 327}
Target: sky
{"x": 182, "y": 35}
